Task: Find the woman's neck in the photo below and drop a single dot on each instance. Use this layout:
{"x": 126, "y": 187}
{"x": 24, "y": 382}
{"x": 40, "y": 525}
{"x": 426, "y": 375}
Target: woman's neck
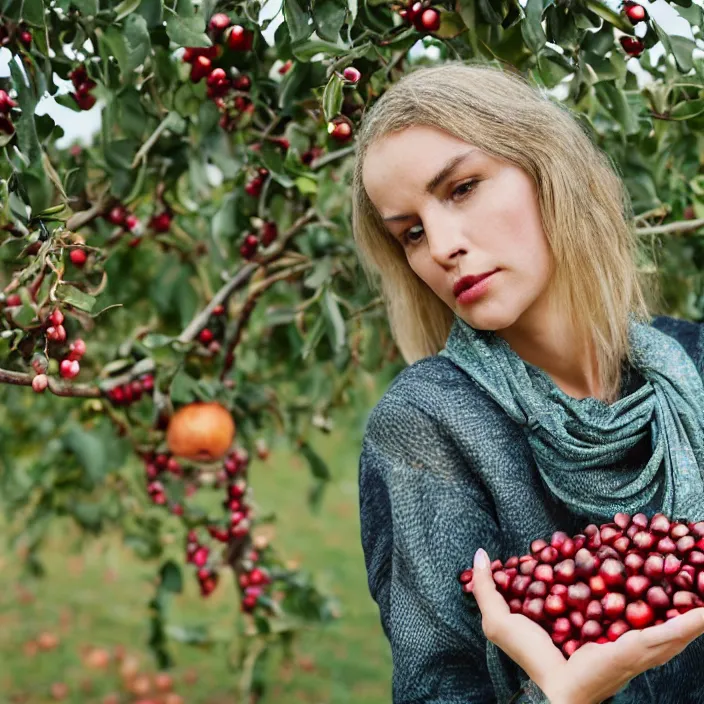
{"x": 552, "y": 345}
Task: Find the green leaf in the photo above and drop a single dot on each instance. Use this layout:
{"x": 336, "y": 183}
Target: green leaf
{"x": 307, "y": 50}
{"x": 332, "y": 97}
{"x": 329, "y": 16}
{"x": 306, "y": 186}
{"x": 338, "y": 332}
{"x": 171, "y": 578}
{"x": 125, "y": 8}
{"x": 489, "y": 12}
{"x": 24, "y": 126}
{"x": 297, "y": 21}
{"x": 451, "y": 25}
{"x": 687, "y": 109}
{"x": 89, "y": 449}
{"x": 75, "y": 297}
{"x": 187, "y": 31}
{"x": 614, "y": 101}
{"x": 33, "y": 12}
{"x": 531, "y": 27}
{"x": 152, "y": 11}
{"x": 137, "y": 41}
{"x": 86, "y": 7}
{"x": 193, "y": 635}
{"x": 317, "y": 464}
{"x": 680, "y": 47}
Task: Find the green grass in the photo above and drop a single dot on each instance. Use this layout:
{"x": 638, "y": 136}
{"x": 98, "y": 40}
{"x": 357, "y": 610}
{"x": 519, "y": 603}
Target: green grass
{"x": 97, "y": 598}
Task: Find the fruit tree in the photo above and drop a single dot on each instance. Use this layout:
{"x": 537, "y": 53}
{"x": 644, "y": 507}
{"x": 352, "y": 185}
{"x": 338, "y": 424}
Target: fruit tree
{"x": 185, "y": 288}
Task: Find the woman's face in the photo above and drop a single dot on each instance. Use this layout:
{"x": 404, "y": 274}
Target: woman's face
{"x": 481, "y": 216}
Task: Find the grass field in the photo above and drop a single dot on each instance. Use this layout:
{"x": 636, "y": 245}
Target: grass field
{"x": 96, "y": 596}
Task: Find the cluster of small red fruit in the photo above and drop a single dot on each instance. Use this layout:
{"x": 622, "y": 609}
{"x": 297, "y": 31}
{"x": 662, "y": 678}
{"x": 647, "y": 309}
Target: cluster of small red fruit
{"x": 6, "y": 105}
{"x": 83, "y": 86}
{"x": 213, "y": 329}
{"x": 423, "y": 17}
{"x": 252, "y": 580}
{"x": 120, "y": 216}
{"x": 636, "y": 13}
{"x": 19, "y": 32}
{"x": 597, "y": 585}
{"x": 132, "y": 391}
{"x": 225, "y": 91}
{"x": 69, "y": 367}
{"x": 267, "y": 235}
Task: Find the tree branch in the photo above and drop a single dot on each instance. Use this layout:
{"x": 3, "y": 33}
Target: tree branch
{"x": 242, "y": 277}
{"x": 57, "y": 388}
{"x": 83, "y": 217}
{"x": 671, "y": 228}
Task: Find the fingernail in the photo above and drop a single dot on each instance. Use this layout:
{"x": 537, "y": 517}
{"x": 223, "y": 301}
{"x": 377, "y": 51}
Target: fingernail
{"x": 481, "y": 559}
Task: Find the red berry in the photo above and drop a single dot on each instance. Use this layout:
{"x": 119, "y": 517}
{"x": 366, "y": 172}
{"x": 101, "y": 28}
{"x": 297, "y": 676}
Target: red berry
{"x": 352, "y": 74}
{"x": 639, "y": 614}
{"x": 340, "y": 130}
{"x": 219, "y": 23}
{"x": 40, "y": 382}
{"x": 205, "y": 336}
{"x": 85, "y": 101}
{"x": 636, "y": 13}
{"x": 131, "y": 222}
{"x": 56, "y": 317}
{"x": 631, "y": 45}
{"x": 78, "y": 257}
{"x": 269, "y": 233}
{"x": 69, "y": 368}
{"x": 13, "y": 300}
{"x": 242, "y": 82}
{"x": 201, "y": 68}
{"x": 239, "y": 38}
{"x": 285, "y": 68}
{"x": 77, "y": 349}
{"x": 160, "y": 222}
{"x": 429, "y": 20}
{"x": 116, "y": 215}
{"x": 26, "y": 38}
{"x": 6, "y": 103}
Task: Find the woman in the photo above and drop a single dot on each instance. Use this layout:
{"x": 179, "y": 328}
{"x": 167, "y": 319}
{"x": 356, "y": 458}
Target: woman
{"x": 539, "y": 396}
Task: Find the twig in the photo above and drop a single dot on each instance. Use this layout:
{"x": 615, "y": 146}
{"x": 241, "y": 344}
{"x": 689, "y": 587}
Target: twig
{"x": 83, "y": 217}
{"x": 56, "y": 387}
{"x": 248, "y": 306}
{"x": 332, "y": 156}
{"x": 671, "y": 228}
{"x": 242, "y": 277}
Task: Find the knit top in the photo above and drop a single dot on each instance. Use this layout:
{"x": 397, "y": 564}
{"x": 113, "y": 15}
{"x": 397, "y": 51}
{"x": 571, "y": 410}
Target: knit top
{"x": 443, "y": 471}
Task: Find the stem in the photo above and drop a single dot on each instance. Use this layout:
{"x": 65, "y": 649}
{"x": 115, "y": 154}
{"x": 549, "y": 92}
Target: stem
{"x": 332, "y": 156}
{"x": 242, "y": 277}
{"x": 83, "y": 217}
{"x": 671, "y": 228}
{"x": 56, "y": 387}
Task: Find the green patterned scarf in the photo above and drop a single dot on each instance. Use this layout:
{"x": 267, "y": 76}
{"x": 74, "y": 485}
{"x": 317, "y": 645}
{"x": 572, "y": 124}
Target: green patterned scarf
{"x": 579, "y": 443}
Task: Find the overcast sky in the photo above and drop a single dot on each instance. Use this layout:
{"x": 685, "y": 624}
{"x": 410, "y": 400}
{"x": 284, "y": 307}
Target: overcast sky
{"x": 82, "y": 125}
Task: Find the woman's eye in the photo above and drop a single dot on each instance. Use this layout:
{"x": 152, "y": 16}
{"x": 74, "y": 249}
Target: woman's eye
{"x": 462, "y": 190}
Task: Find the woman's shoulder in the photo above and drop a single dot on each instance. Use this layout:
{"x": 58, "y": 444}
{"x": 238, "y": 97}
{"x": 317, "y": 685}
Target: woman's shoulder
{"x": 686, "y": 332}
{"x": 433, "y": 387}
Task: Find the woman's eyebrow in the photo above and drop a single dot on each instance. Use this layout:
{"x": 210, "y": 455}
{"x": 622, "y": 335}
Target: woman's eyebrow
{"x": 437, "y": 180}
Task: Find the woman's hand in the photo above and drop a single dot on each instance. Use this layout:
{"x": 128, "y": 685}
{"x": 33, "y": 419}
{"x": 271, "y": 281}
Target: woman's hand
{"x": 595, "y": 671}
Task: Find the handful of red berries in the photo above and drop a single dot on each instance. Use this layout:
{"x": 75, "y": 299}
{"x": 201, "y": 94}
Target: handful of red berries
{"x": 597, "y": 585}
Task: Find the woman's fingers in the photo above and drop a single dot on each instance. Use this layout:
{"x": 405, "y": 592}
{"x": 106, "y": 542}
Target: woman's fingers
{"x": 492, "y": 605}
{"x": 684, "y": 628}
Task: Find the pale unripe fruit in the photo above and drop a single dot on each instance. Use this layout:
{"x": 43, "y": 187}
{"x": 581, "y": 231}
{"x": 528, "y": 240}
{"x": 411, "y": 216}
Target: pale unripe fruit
{"x": 40, "y": 382}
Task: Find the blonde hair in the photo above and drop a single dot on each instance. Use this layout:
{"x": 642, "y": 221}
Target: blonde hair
{"x": 584, "y": 206}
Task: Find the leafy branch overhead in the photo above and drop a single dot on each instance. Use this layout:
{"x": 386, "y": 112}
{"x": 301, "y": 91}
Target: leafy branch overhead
{"x": 184, "y": 283}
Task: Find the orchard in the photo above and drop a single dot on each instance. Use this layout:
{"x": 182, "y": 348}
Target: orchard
{"x": 184, "y": 291}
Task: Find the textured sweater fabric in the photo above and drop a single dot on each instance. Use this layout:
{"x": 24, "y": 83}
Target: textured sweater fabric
{"x": 443, "y": 471}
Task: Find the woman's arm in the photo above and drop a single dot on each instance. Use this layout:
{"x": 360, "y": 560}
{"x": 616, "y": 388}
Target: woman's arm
{"x": 423, "y": 514}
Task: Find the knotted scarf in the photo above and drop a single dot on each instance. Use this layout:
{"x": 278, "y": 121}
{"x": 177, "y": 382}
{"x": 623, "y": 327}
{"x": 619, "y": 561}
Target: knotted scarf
{"x": 578, "y": 443}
